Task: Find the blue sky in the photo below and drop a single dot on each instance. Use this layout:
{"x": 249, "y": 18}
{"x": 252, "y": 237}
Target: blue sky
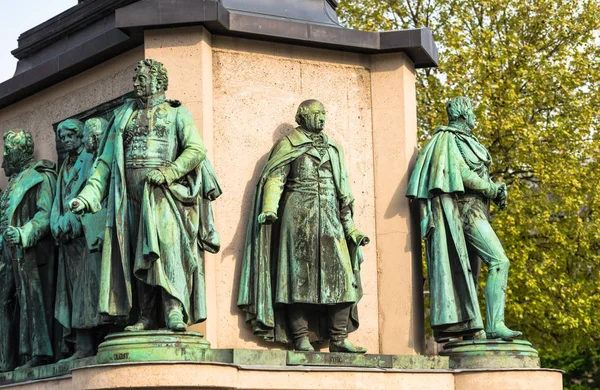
{"x": 19, "y": 16}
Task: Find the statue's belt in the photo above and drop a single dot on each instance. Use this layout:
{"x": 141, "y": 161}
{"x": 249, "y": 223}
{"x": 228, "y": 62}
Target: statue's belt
{"x": 147, "y": 163}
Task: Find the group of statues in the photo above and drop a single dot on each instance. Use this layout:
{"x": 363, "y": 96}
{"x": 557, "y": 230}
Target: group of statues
{"x": 116, "y": 240}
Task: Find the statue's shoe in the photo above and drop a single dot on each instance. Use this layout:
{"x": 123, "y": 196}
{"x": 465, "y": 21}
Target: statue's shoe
{"x": 175, "y": 321}
{"x": 303, "y": 344}
{"x": 504, "y": 333}
{"x": 345, "y": 346}
{"x": 34, "y": 362}
{"x": 76, "y": 356}
{"x": 481, "y": 335}
{"x": 144, "y": 323}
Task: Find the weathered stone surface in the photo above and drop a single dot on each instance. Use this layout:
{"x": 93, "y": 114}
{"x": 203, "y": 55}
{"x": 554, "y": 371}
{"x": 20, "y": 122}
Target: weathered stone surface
{"x": 476, "y": 354}
{"x": 47, "y": 371}
{"x": 146, "y": 346}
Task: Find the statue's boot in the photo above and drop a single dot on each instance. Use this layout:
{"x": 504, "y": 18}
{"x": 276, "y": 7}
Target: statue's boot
{"x": 303, "y": 344}
{"x": 299, "y": 327}
{"x": 33, "y": 362}
{"x": 147, "y": 317}
{"x": 84, "y": 346}
{"x": 173, "y": 313}
{"x": 345, "y": 346}
{"x": 337, "y": 321}
{"x": 495, "y": 298}
{"x": 481, "y": 335}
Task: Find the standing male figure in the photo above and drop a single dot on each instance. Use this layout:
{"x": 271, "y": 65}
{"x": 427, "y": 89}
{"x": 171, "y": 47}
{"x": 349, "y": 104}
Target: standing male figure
{"x": 159, "y": 187}
{"x": 302, "y": 241}
{"x": 451, "y": 181}
{"x": 27, "y": 258}
{"x": 77, "y": 289}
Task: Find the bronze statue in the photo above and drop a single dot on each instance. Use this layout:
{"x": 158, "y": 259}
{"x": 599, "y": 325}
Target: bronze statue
{"x": 77, "y": 290}
{"x": 27, "y": 258}
{"x": 159, "y": 186}
{"x": 452, "y": 184}
{"x": 301, "y": 267}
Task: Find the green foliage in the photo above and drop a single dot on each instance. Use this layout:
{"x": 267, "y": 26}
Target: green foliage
{"x": 532, "y": 70}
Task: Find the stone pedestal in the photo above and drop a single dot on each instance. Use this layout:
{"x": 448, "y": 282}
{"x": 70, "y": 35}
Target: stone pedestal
{"x": 157, "y": 345}
{"x": 496, "y": 354}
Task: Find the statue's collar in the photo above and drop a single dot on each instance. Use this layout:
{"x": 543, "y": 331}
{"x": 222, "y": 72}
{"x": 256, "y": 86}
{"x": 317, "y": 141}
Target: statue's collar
{"x": 459, "y": 127}
{"x": 299, "y": 137}
{"x": 151, "y": 101}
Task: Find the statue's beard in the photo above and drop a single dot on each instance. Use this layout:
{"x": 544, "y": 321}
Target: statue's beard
{"x": 313, "y": 127}
{"x": 15, "y": 167}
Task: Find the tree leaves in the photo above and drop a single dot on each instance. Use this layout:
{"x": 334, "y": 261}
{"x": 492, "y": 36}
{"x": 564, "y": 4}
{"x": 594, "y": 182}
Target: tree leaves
{"x": 532, "y": 70}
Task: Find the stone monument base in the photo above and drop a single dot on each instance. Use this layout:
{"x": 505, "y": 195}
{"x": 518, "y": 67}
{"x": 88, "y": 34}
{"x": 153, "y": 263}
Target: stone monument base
{"x": 153, "y": 346}
{"x": 204, "y": 375}
{"x": 497, "y": 354}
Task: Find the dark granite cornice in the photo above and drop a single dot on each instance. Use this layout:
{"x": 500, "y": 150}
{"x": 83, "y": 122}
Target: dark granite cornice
{"x": 88, "y": 34}
{"x": 64, "y": 24}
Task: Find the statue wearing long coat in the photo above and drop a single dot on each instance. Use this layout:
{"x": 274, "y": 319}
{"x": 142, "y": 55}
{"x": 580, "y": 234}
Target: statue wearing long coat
{"x": 304, "y": 257}
{"x": 78, "y": 280}
{"x": 166, "y": 249}
{"x": 440, "y": 180}
{"x": 29, "y": 269}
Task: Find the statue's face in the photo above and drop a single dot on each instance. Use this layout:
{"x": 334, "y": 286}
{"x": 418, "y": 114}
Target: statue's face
{"x": 470, "y": 118}
{"x": 144, "y": 83}
{"x": 314, "y": 119}
{"x": 70, "y": 139}
{"x": 12, "y": 162}
{"x": 90, "y": 139}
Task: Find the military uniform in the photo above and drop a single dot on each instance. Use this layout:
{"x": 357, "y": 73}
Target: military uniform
{"x": 27, "y": 269}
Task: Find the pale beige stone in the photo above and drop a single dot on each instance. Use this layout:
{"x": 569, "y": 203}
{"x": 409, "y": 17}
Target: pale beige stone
{"x": 398, "y": 252}
{"x": 509, "y": 380}
{"x": 257, "y": 89}
{"x": 227, "y": 376}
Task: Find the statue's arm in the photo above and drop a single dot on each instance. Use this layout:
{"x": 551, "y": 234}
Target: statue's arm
{"x": 55, "y": 215}
{"x": 191, "y": 144}
{"x": 473, "y": 182}
{"x": 39, "y": 226}
{"x": 98, "y": 184}
{"x": 273, "y": 189}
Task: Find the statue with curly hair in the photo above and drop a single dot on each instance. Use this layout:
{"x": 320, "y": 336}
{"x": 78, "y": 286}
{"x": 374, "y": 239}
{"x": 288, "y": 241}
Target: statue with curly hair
{"x": 301, "y": 270}
{"x": 152, "y": 169}
{"x": 451, "y": 182}
{"x": 27, "y": 256}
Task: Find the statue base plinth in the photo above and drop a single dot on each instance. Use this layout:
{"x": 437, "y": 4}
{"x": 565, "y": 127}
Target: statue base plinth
{"x": 477, "y": 354}
{"x": 155, "y": 345}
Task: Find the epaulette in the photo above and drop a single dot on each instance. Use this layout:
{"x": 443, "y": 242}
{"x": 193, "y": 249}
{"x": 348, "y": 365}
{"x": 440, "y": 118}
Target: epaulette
{"x": 174, "y": 103}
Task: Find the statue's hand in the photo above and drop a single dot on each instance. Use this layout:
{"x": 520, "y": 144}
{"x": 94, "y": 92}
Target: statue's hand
{"x": 156, "y": 177}
{"x": 78, "y": 206}
{"x": 359, "y": 238}
{"x": 502, "y": 196}
{"x": 267, "y": 218}
{"x": 12, "y": 235}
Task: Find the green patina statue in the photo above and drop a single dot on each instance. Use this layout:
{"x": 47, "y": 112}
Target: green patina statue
{"x": 77, "y": 287}
{"x": 158, "y": 184}
{"x": 301, "y": 266}
{"x": 27, "y": 258}
{"x": 94, "y": 132}
{"x": 452, "y": 184}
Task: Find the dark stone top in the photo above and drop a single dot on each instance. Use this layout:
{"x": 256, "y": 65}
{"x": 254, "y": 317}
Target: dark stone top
{"x": 94, "y": 31}
{"x": 313, "y": 11}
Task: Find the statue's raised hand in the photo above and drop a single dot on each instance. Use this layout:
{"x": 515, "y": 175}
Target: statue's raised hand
{"x": 267, "y": 218}
{"x": 78, "y": 206}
